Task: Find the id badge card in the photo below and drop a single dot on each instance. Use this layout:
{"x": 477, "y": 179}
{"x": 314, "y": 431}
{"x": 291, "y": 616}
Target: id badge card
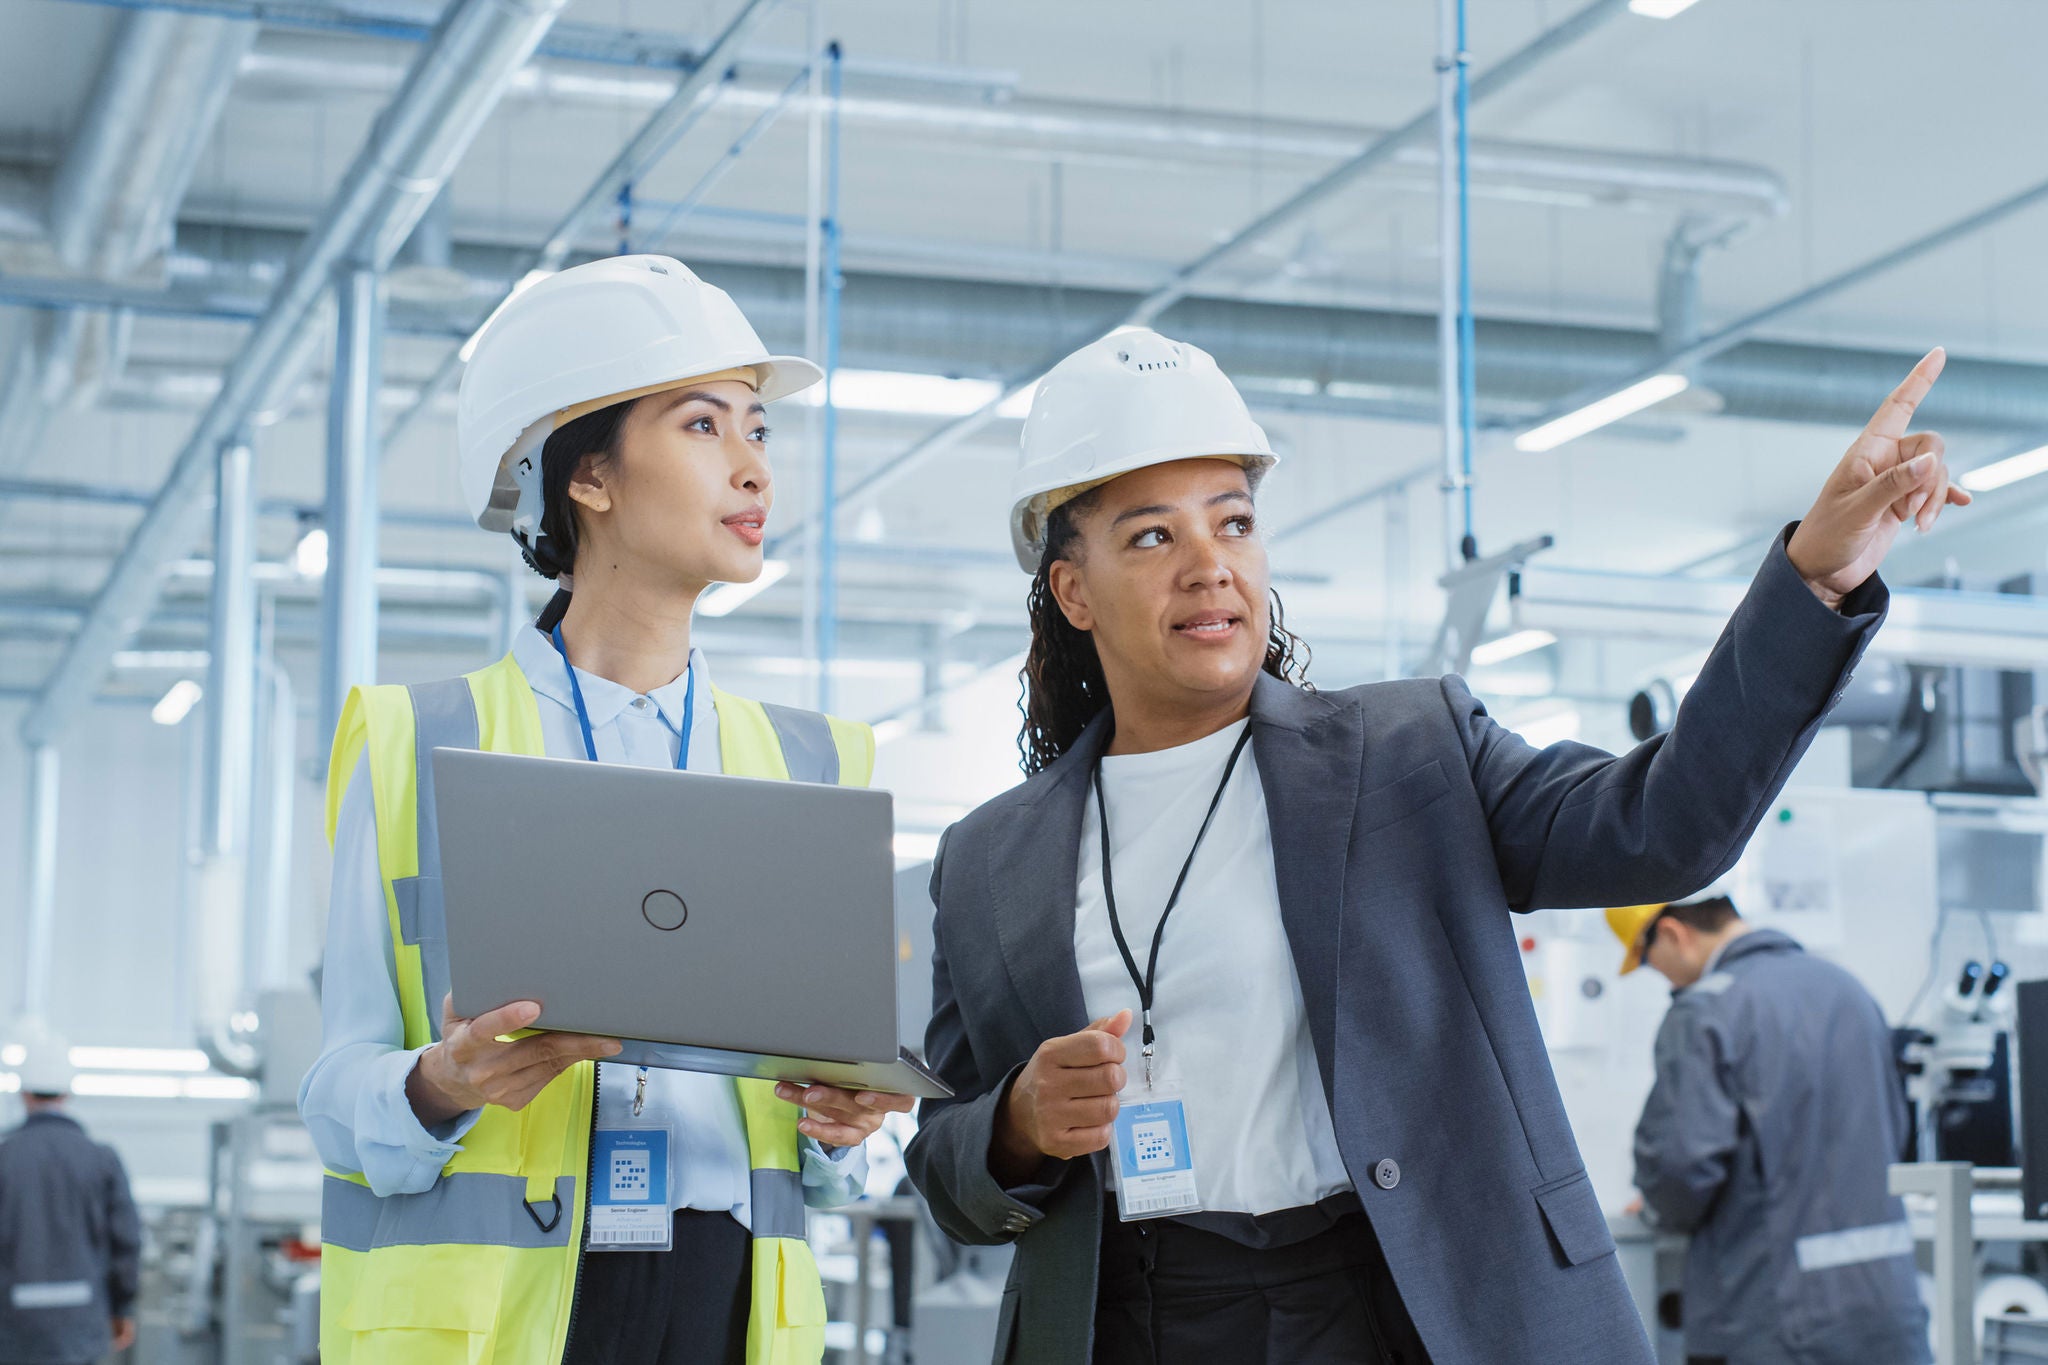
{"x": 629, "y": 1194}
{"x": 1155, "y": 1169}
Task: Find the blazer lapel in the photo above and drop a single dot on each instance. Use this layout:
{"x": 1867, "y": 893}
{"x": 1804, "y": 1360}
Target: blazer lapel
{"x": 1034, "y": 862}
{"x": 1309, "y": 752}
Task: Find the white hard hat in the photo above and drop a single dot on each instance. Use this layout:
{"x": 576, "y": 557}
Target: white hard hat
{"x": 45, "y": 1067}
{"x": 610, "y": 329}
{"x": 1129, "y": 401}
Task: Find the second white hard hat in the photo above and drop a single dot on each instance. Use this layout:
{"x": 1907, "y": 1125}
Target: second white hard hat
{"x": 1129, "y": 401}
{"x": 45, "y": 1067}
{"x": 608, "y": 330}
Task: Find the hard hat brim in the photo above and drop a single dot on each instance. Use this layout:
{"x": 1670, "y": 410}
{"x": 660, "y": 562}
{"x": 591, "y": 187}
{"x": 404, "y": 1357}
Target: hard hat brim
{"x": 1029, "y": 513}
{"x": 783, "y": 375}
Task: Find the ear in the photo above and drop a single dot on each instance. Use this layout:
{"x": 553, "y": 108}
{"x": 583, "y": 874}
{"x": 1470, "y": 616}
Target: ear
{"x": 1070, "y": 591}
{"x": 591, "y": 485}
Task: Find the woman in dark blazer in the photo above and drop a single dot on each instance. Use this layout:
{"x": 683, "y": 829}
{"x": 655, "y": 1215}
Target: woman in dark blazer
{"x": 1290, "y": 911}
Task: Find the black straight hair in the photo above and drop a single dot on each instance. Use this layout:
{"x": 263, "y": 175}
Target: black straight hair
{"x": 593, "y": 436}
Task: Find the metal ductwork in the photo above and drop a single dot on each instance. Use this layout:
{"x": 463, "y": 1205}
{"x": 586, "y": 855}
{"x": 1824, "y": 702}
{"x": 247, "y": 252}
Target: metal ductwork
{"x": 112, "y": 203}
{"x": 296, "y": 66}
{"x": 408, "y": 156}
{"x": 1368, "y": 361}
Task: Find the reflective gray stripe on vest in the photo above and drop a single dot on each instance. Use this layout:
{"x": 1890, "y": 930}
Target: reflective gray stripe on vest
{"x": 472, "y": 1208}
{"x": 1829, "y": 1250}
{"x": 807, "y": 747}
{"x": 777, "y": 1206}
{"x": 443, "y": 717}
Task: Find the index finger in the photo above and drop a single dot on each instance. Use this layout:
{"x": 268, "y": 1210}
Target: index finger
{"x": 1895, "y": 414}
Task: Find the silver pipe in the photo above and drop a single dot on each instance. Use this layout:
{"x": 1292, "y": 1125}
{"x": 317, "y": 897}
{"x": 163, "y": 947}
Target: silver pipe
{"x": 693, "y": 97}
{"x": 1184, "y": 280}
{"x": 288, "y": 67}
{"x": 1734, "y": 333}
{"x": 408, "y": 156}
{"x": 281, "y": 741}
{"x": 41, "y": 864}
{"x": 231, "y": 656}
{"x": 24, "y": 205}
{"x": 114, "y": 196}
{"x": 348, "y": 649}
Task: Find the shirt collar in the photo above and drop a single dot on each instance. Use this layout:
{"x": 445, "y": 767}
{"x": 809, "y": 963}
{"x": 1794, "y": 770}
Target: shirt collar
{"x": 548, "y": 675}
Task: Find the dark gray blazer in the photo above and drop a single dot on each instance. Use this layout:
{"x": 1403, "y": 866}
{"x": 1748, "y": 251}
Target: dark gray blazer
{"x": 1406, "y": 825}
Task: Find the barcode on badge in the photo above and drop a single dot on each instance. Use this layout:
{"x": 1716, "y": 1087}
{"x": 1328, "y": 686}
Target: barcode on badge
{"x": 1157, "y": 1203}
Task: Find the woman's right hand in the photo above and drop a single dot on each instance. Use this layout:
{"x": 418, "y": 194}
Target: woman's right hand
{"x": 473, "y": 1066}
{"x": 1063, "y": 1103}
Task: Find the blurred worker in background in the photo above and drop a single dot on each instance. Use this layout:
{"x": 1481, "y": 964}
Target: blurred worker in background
{"x": 1314, "y": 1119}
{"x": 1776, "y": 1112}
{"x": 70, "y": 1242}
{"x": 613, "y": 421}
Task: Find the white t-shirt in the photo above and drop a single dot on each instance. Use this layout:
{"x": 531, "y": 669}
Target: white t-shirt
{"x": 1227, "y": 1005}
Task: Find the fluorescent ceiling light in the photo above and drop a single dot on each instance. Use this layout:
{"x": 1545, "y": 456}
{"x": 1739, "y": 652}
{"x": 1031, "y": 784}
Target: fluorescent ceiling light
{"x": 139, "y": 1059}
{"x": 1511, "y": 647}
{"x": 1600, "y": 412}
{"x": 178, "y": 660}
{"x": 14, "y": 1054}
{"x": 138, "y": 1086}
{"x": 9, "y": 1082}
{"x": 1660, "y": 9}
{"x": 1551, "y": 729}
{"x": 526, "y": 282}
{"x": 177, "y": 703}
{"x": 2011, "y": 469}
{"x": 309, "y": 556}
{"x": 726, "y": 598}
{"x": 916, "y": 395}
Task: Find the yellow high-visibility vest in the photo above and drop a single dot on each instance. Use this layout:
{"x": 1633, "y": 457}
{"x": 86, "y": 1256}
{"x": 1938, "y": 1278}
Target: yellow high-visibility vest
{"x": 483, "y": 1266}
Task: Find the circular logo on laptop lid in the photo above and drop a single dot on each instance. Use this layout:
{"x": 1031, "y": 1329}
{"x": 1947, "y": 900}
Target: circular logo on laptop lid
{"x": 665, "y": 910}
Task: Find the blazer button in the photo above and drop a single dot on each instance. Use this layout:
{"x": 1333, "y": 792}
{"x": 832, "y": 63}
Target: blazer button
{"x": 1386, "y": 1174}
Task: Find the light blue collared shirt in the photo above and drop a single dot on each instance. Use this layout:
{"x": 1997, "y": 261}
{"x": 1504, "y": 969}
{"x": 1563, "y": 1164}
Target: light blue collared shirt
{"x": 353, "y": 1100}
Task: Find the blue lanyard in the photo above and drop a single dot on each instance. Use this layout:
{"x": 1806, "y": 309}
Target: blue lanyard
{"x": 583, "y": 713}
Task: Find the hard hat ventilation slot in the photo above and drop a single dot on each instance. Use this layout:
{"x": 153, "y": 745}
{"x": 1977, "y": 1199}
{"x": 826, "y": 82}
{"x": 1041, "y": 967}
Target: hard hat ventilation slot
{"x": 1146, "y": 366}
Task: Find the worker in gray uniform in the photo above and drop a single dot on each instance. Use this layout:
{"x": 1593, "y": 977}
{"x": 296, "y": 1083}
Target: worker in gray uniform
{"x": 70, "y": 1241}
{"x": 1775, "y": 1113}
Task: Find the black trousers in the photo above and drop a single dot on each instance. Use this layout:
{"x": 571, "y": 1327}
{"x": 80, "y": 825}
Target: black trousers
{"x": 1171, "y": 1294}
{"x": 685, "y": 1306}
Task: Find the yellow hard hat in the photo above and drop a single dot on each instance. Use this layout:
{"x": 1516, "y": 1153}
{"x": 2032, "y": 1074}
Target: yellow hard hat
{"x": 1628, "y": 923}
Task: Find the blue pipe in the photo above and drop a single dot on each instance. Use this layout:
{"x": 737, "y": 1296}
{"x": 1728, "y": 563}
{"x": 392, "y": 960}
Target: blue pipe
{"x": 1468, "y": 373}
{"x": 828, "y": 532}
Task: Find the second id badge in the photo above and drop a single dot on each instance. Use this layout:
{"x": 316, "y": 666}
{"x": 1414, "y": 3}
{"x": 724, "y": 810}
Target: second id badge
{"x": 1155, "y": 1170}
{"x": 629, "y": 1191}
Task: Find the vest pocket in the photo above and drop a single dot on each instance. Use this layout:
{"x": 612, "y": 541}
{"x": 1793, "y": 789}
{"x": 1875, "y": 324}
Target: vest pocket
{"x": 430, "y": 1288}
{"x": 799, "y": 1297}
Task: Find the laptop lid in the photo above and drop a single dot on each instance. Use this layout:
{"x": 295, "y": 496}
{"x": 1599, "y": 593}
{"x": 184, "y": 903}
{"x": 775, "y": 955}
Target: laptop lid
{"x": 675, "y": 907}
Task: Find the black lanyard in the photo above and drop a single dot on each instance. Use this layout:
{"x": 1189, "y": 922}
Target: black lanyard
{"x": 1144, "y": 983}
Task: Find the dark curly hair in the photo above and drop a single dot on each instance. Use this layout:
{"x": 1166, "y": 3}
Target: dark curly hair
{"x": 1062, "y": 676}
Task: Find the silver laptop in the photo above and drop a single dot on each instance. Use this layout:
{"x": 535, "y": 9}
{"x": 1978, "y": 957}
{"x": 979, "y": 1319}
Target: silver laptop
{"x": 712, "y": 923}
